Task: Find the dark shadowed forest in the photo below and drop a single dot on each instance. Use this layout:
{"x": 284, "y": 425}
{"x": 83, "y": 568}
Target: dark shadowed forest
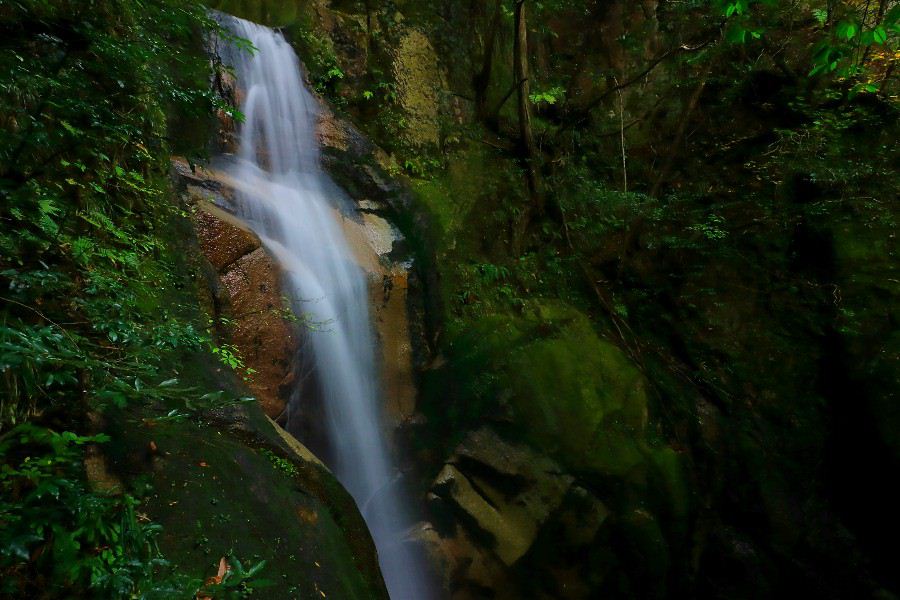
{"x": 469, "y": 299}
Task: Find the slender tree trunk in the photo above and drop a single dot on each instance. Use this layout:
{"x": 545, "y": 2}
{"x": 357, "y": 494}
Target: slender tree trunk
{"x": 368, "y": 5}
{"x": 526, "y": 135}
{"x": 482, "y": 80}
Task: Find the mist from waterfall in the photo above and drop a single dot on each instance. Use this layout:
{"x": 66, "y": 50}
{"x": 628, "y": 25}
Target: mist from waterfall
{"x": 286, "y": 198}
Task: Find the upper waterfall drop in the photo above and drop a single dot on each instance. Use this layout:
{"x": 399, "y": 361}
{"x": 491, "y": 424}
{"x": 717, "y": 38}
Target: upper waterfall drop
{"x": 283, "y": 194}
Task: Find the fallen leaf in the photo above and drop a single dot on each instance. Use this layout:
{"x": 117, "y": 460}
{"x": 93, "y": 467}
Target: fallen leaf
{"x": 216, "y": 580}
{"x": 223, "y": 568}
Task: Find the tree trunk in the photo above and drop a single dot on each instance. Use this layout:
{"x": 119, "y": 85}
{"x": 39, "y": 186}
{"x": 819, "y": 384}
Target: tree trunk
{"x": 526, "y": 136}
{"x": 482, "y": 80}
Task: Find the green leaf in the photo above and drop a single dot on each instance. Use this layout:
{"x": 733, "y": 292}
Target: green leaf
{"x": 73, "y": 130}
{"x": 736, "y": 34}
{"x": 847, "y": 30}
{"x": 256, "y": 568}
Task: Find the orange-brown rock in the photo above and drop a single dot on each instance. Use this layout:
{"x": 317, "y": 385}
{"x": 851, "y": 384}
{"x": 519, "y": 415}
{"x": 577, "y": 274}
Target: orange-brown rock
{"x": 223, "y": 238}
{"x": 392, "y": 324}
{"x": 265, "y": 338}
{"x": 371, "y": 238}
{"x": 249, "y": 291}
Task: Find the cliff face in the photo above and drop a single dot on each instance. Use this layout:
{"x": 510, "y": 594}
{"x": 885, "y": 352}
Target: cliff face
{"x": 259, "y": 338}
{"x": 248, "y": 303}
{"x": 699, "y": 367}
{"x": 383, "y": 253}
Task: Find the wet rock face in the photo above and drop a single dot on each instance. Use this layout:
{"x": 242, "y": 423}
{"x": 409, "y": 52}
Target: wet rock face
{"x": 261, "y": 332}
{"x": 247, "y": 293}
{"x": 378, "y": 247}
{"x": 223, "y": 239}
{"x": 495, "y": 505}
{"x": 372, "y": 239}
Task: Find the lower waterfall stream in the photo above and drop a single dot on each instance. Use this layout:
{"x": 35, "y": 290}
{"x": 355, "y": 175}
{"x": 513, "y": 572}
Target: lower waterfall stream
{"x": 292, "y": 205}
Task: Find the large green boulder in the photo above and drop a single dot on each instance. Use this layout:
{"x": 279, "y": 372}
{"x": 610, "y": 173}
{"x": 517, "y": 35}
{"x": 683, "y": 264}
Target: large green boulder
{"x": 229, "y": 483}
{"x": 579, "y": 396}
{"x": 554, "y": 382}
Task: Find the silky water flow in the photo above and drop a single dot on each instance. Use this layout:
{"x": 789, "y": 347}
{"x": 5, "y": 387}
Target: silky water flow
{"x": 291, "y": 204}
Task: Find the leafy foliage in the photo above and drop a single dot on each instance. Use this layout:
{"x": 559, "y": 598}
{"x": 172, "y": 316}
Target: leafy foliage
{"x": 96, "y": 305}
{"x": 54, "y": 527}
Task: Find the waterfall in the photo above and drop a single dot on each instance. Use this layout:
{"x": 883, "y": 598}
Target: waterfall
{"x": 283, "y": 194}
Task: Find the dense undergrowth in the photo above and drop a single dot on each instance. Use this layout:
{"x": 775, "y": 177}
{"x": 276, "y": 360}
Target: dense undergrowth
{"x": 98, "y": 307}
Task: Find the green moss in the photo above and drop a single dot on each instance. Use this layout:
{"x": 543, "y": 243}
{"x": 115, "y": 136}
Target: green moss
{"x": 419, "y": 87}
{"x": 579, "y": 395}
{"x": 568, "y": 392}
{"x": 230, "y": 487}
{"x": 670, "y": 485}
{"x": 436, "y": 196}
{"x": 470, "y": 176}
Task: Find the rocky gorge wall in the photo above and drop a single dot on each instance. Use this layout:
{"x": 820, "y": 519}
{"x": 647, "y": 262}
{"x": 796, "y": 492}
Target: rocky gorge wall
{"x": 492, "y": 507}
{"x": 250, "y": 307}
{"x": 685, "y": 400}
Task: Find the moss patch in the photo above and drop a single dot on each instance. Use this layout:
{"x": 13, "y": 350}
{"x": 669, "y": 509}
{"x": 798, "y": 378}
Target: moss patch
{"x": 226, "y": 485}
{"x": 547, "y": 375}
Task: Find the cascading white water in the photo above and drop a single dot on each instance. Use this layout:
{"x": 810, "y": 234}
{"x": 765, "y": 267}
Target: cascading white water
{"x": 283, "y": 194}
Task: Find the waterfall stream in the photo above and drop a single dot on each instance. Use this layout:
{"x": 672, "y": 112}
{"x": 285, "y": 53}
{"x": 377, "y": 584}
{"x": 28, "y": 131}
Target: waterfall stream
{"x": 283, "y": 194}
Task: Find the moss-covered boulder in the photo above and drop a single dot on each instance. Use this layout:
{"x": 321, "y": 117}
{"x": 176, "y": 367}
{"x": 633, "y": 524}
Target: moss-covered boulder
{"x": 228, "y": 482}
{"x": 578, "y": 396}
{"x": 566, "y": 390}
{"x": 546, "y": 377}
